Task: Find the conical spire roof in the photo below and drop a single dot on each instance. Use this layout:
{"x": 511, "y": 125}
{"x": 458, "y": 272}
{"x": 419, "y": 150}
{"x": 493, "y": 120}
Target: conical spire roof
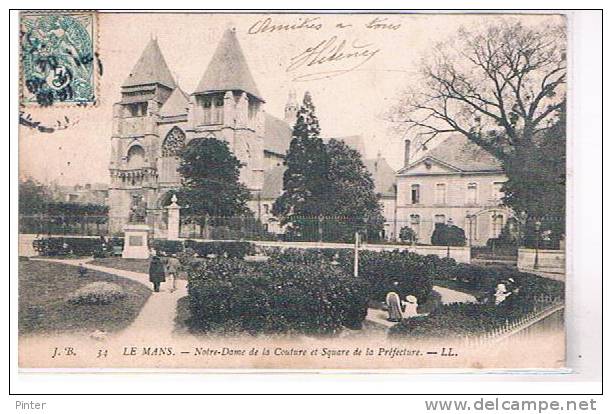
{"x": 228, "y": 69}
{"x": 151, "y": 68}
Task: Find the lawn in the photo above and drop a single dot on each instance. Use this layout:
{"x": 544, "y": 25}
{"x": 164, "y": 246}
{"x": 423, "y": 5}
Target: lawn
{"x": 132, "y": 265}
{"x": 460, "y": 287}
{"x": 45, "y": 286}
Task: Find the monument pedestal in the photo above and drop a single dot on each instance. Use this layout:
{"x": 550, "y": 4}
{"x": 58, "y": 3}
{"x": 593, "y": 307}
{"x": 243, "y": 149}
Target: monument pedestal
{"x": 136, "y": 245}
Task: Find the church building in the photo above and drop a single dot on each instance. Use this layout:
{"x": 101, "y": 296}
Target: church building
{"x": 155, "y": 118}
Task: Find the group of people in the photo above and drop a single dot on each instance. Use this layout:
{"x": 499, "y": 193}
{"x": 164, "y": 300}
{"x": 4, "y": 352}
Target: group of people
{"x": 401, "y": 309}
{"x": 162, "y": 268}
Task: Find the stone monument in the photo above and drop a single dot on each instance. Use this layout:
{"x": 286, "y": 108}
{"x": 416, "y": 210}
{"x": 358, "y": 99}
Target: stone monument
{"x": 174, "y": 216}
{"x": 136, "y": 236}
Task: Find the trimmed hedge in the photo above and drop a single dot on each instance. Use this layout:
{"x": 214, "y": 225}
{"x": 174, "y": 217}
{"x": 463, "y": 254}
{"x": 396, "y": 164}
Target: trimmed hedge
{"x": 61, "y": 246}
{"x": 79, "y": 246}
{"x": 233, "y": 249}
{"x": 167, "y": 247}
{"x": 233, "y": 295}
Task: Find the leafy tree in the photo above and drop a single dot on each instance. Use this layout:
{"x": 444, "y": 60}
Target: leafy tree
{"x": 351, "y": 195}
{"x": 447, "y": 235}
{"x": 306, "y": 180}
{"x": 32, "y": 197}
{"x": 328, "y": 192}
{"x": 503, "y": 87}
{"x": 536, "y": 184}
{"x": 210, "y": 182}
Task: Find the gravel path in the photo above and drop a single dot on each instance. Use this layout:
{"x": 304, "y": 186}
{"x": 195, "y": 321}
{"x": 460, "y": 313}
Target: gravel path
{"x": 156, "y": 318}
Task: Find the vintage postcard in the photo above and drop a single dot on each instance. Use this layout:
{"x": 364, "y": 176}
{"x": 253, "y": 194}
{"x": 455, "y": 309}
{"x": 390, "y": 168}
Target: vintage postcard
{"x": 292, "y": 191}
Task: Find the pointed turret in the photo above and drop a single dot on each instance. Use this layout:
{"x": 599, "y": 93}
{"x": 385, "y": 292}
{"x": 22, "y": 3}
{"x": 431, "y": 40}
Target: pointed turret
{"x": 228, "y": 69}
{"x": 291, "y": 108}
{"x": 150, "y": 69}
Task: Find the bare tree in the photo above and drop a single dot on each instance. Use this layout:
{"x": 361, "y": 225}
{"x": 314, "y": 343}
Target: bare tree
{"x": 498, "y": 86}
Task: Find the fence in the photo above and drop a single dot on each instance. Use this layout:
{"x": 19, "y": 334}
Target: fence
{"x": 65, "y": 225}
{"x": 544, "y": 308}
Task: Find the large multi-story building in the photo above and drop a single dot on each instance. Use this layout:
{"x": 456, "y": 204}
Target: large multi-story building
{"x": 156, "y": 118}
{"x": 456, "y": 182}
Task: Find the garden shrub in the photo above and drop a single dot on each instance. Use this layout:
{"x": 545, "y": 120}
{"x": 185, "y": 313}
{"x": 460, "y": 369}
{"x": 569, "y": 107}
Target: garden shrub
{"x": 408, "y": 235}
{"x": 61, "y": 246}
{"x": 97, "y": 293}
{"x": 403, "y": 272}
{"x": 400, "y": 271}
{"x": 167, "y": 247}
{"x": 447, "y": 235}
{"x": 233, "y": 249}
{"x": 274, "y": 296}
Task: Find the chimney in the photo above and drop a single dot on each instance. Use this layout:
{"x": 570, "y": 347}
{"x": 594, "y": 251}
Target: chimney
{"x": 406, "y": 153}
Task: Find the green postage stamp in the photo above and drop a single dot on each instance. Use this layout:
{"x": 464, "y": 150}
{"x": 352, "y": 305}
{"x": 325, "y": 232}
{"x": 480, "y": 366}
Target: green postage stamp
{"x": 58, "y": 57}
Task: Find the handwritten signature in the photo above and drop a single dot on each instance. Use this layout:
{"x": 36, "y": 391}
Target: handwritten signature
{"x": 331, "y": 51}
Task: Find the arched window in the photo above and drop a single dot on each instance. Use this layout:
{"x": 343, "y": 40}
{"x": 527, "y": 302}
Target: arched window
{"x": 135, "y": 157}
{"x": 173, "y": 143}
{"x": 497, "y": 224}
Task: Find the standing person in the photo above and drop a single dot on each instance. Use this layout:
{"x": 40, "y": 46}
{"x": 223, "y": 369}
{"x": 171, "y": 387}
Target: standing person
{"x": 172, "y": 270}
{"x": 394, "y": 307}
{"x": 156, "y": 272}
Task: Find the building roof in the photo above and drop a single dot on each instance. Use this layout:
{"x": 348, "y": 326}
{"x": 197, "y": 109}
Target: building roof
{"x": 228, "y": 69}
{"x": 459, "y": 152}
{"x": 382, "y": 175}
{"x": 353, "y": 141}
{"x": 176, "y": 104}
{"x": 277, "y": 135}
{"x": 151, "y": 68}
{"x": 273, "y": 182}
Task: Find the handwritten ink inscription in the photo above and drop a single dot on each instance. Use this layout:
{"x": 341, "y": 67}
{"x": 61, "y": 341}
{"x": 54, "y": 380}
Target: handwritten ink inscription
{"x": 335, "y": 55}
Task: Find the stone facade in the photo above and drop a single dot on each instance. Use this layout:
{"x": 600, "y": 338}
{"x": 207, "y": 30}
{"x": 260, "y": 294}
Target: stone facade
{"x": 155, "y": 119}
{"x": 456, "y": 182}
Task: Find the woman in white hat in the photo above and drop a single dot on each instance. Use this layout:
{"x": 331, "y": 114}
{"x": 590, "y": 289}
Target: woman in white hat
{"x": 410, "y": 307}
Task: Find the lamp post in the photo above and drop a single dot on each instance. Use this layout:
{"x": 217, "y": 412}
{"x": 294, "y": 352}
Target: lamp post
{"x": 536, "y": 264}
{"x": 450, "y": 223}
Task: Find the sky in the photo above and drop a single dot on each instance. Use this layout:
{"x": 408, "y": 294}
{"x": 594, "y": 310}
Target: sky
{"x": 352, "y": 95}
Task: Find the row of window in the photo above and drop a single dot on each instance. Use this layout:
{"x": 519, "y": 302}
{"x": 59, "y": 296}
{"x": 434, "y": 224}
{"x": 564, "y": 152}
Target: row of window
{"x": 212, "y": 109}
{"x": 440, "y": 193}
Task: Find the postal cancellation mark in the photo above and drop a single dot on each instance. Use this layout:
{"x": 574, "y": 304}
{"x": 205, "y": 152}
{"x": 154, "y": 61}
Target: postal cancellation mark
{"x": 57, "y": 58}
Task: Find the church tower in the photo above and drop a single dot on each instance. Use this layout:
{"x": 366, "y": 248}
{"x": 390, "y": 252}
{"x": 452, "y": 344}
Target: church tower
{"x": 291, "y": 109}
{"x": 135, "y": 138}
{"x": 227, "y": 105}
